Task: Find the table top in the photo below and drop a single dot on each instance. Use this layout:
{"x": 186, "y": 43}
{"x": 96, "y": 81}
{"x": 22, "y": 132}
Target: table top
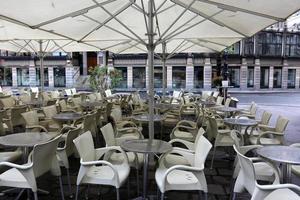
{"x": 146, "y": 146}
{"x": 27, "y": 139}
{"x": 240, "y": 121}
{"x": 166, "y": 106}
{"x": 67, "y": 116}
{"x": 207, "y": 103}
{"x": 227, "y": 109}
{"x": 278, "y": 153}
{"x": 146, "y": 117}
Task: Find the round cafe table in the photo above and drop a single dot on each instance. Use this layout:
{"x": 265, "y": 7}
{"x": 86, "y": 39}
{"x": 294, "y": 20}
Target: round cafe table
{"x": 67, "y": 117}
{"x": 146, "y": 147}
{"x": 282, "y": 154}
{"x": 227, "y": 110}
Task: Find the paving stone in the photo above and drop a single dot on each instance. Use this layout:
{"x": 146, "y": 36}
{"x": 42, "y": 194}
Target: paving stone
{"x": 216, "y": 189}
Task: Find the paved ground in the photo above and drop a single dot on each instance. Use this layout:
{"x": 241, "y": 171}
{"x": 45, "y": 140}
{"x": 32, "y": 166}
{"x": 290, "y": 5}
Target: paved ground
{"x": 218, "y": 179}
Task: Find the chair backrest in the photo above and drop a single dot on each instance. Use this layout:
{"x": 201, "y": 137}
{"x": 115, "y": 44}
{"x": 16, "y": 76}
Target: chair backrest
{"x": 76, "y": 101}
{"x": 89, "y": 123}
{"x": 50, "y": 111}
{"x": 176, "y": 94}
{"x": 25, "y": 98}
{"x": 92, "y": 97}
{"x": 46, "y": 96}
{"x": 116, "y": 114}
{"x": 2, "y": 115}
{"x": 98, "y": 96}
{"x": 16, "y": 117}
{"x": 73, "y": 90}
{"x": 55, "y": 94}
{"x": 85, "y": 146}
{"x": 71, "y": 135}
{"x": 34, "y": 89}
{"x": 247, "y": 171}
{"x": 191, "y": 107}
{"x": 44, "y": 157}
{"x": 227, "y": 102}
{"x": 212, "y": 128}
{"x": 108, "y": 93}
{"x": 108, "y": 134}
{"x": 68, "y": 92}
{"x": 206, "y": 94}
{"x": 62, "y": 104}
{"x": 7, "y": 102}
{"x": 202, "y": 148}
{"x": 265, "y": 118}
{"x": 216, "y": 94}
{"x": 31, "y": 118}
{"x": 237, "y": 138}
{"x": 281, "y": 124}
{"x": 219, "y": 100}
{"x": 253, "y": 109}
{"x": 200, "y": 132}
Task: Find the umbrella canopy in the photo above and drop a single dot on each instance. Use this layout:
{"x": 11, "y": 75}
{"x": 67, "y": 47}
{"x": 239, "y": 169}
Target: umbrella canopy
{"x": 148, "y": 22}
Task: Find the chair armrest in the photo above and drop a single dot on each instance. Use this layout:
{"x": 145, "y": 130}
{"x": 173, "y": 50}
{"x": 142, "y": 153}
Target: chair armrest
{"x": 37, "y": 126}
{"x": 188, "y": 144}
{"x": 192, "y": 124}
{"x": 13, "y": 165}
{"x": 246, "y": 149}
{"x": 279, "y": 186}
{"x": 266, "y": 127}
{"x": 101, "y": 151}
{"x": 187, "y": 154}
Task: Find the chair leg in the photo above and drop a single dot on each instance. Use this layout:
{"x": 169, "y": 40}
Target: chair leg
{"x": 69, "y": 183}
{"x": 213, "y": 157}
{"x": 35, "y": 196}
{"x": 137, "y": 182}
{"x": 77, "y": 191}
{"x": 118, "y": 193}
{"x": 61, "y": 188}
{"x": 162, "y": 196}
{"x": 234, "y": 196}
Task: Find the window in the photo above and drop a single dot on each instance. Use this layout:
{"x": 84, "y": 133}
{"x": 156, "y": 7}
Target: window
{"x": 269, "y": 43}
{"x": 5, "y": 77}
{"x": 123, "y": 82}
{"x": 178, "y": 74}
{"x": 291, "y": 78}
{"x": 59, "y": 77}
{"x": 158, "y": 77}
{"x": 23, "y": 76}
{"x": 264, "y": 77}
{"x": 46, "y": 78}
{"x": 234, "y": 76}
{"x": 277, "y": 77}
{"x": 292, "y": 47}
{"x": 139, "y": 77}
{"x": 198, "y": 77}
{"x": 250, "y": 77}
{"x": 249, "y": 46}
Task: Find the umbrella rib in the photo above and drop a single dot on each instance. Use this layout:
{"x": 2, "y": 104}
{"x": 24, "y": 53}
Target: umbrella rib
{"x": 120, "y": 22}
{"x": 72, "y": 14}
{"x": 113, "y": 29}
{"x": 210, "y": 18}
{"x": 46, "y": 47}
{"x": 101, "y": 24}
{"x": 32, "y": 46}
{"x": 145, "y": 17}
{"x": 160, "y": 6}
{"x": 13, "y": 42}
{"x": 156, "y": 20}
{"x": 216, "y": 43}
{"x": 235, "y": 9}
{"x": 166, "y": 9}
{"x": 186, "y": 8}
{"x": 178, "y": 46}
{"x": 203, "y": 45}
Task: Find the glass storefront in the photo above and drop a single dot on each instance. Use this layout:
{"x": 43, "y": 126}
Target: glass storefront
{"x": 291, "y": 78}
{"x": 250, "y": 77}
{"x": 23, "y": 77}
{"x": 158, "y": 77}
{"x": 178, "y": 77}
{"x": 5, "y": 76}
{"x": 46, "y": 77}
{"x": 234, "y": 76}
{"x": 59, "y": 77}
{"x": 264, "y": 77}
{"x": 269, "y": 43}
{"x": 277, "y": 77}
{"x": 123, "y": 81}
{"x": 198, "y": 76}
{"x": 292, "y": 48}
{"x": 139, "y": 77}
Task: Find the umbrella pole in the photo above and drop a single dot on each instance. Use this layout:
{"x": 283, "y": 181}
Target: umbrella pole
{"x": 151, "y": 48}
{"x": 164, "y": 68}
{"x": 41, "y": 65}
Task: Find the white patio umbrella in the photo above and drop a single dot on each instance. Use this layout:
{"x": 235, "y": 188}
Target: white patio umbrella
{"x": 160, "y": 20}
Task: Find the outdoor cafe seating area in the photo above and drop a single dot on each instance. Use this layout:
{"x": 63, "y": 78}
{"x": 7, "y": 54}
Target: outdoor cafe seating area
{"x": 94, "y": 138}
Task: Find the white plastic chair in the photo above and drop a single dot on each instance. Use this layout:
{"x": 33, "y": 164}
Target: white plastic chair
{"x": 95, "y": 171}
{"x": 182, "y": 177}
{"x": 41, "y": 160}
{"x": 73, "y": 90}
{"x": 258, "y": 192}
{"x": 67, "y": 150}
{"x": 108, "y": 93}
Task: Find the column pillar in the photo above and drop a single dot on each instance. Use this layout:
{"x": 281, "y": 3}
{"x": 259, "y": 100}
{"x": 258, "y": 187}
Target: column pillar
{"x": 207, "y": 74}
{"x": 189, "y": 77}
{"x": 285, "y": 74}
{"x": 297, "y": 77}
{"x": 147, "y": 76}
{"x": 169, "y": 77}
{"x": 51, "y": 77}
{"x": 69, "y": 77}
{"x": 257, "y": 74}
{"x": 243, "y": 74}
{"x": 271, "y": 77}
{"x": 129, "y": 77}
{"x": 84, "y": 63}
{"x": 14, "y": 77}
